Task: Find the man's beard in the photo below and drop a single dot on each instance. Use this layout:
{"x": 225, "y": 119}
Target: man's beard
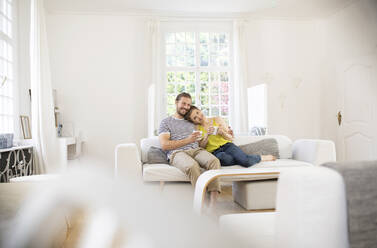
{"x": 179, "y": 112}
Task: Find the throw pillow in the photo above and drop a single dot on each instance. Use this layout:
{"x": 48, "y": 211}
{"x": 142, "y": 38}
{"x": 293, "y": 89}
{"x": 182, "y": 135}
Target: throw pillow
{"x": 262, "y": 147}
{"x": 156, "y": 155}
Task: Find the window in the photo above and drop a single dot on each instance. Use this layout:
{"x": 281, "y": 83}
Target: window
{"x": 199, "y": 63}
{"x": 257, "y": 109}
{"x": 6, "y": 68}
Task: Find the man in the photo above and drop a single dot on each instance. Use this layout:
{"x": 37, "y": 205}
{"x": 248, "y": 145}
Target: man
{"x": 181, "y": 143}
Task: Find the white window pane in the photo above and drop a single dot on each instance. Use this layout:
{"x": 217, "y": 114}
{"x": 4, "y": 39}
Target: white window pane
{"x": 223, "y": 49}
{"x": 180, "y": 76}
{"x": 204, "y": 37}
{"x": 213, "y": 61}
{"x": 170, "y": 75}
{"x": 180, "y": 37}
{"x": 224, "y": 87}
{"x": 215, "y": 111}
{"x": 204, "y": 61}
{"x": 204, "y": 100}
{"x": 190, "y": 61}
{"x": 180, "y": 88}
{"x": 8, "y": 11}
{"x": 214, "y": 88}
{"x": 190, "y": 88}
{"x": 190, "y": 37}
{"x": 214, "y": 76}
{"x": 204, "y": 88}
{"x": 171, "y": 60}
{"x": 204, "y": 50}
{"x": 171, "y": 100}
{"x": 204, "y": 76}
{"x": 180, "y": 49}
{"x": 190, "y": 49}
{"x": 190, "y": 77}
{"x": 170, "y": 49}
{"x": 223, "y": 38}
{"x": 205, "y": 110}
{"x": 214, "y": 99}
{"x": 170, "y": 37}
{"x": 170, "y": 88}
{"x": 214, "y": 49}
{"x": 224, "y": 111}
{"x": 225, "y": 100}
{"x": 214, "y": 37}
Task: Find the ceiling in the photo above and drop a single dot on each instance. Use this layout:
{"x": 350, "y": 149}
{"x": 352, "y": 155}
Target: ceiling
{"x": 259, "y": 8}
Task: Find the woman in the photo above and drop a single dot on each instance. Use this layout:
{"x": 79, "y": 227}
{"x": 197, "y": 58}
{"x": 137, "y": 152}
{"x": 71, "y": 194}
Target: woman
{"x": 220, "y": 143}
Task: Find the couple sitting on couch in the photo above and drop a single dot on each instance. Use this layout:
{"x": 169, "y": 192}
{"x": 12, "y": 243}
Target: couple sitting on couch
{"x": 184, "y": 143}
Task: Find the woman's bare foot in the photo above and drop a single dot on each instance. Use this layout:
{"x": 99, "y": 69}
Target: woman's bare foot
{"x": 268, "y": 158}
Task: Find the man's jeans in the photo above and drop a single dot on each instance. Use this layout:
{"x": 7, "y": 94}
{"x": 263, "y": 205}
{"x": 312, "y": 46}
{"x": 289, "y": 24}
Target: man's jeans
{"x": 230, "y": 154}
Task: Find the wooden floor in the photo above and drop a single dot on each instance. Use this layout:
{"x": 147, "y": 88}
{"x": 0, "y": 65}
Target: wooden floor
{"x": 226, "y": 204}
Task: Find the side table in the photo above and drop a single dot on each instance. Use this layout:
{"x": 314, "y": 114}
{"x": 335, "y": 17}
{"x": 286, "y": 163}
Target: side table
{"x": 16, "y": 162}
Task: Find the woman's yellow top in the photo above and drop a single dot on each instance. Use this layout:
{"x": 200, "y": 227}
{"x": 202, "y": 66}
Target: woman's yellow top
{"x": 214, "y": 141}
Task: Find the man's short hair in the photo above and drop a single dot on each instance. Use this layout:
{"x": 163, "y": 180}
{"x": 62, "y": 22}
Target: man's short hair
{"x": 183, "y": 94}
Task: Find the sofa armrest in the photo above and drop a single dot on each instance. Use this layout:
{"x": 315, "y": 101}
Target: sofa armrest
{"x": 314, "y": 151}
{"x": 127, "y": 160}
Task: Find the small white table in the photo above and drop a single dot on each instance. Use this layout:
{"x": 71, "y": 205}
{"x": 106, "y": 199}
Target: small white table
{"x": 244, "y": 174}
{"x": 70, "y": 148}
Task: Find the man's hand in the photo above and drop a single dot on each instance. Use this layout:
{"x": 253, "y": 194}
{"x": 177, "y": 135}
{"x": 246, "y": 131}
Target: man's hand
{"x": 194, "y": 136}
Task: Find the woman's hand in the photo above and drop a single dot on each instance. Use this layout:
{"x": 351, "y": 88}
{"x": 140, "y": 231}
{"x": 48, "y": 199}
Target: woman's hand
{"x": 210, "y": 130}
{"x": 230, "y": 131}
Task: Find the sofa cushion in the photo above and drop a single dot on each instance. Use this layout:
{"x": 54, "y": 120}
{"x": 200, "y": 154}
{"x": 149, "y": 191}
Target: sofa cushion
{"x": 284, "y": 143}
{"x": 163, "y": 172}
{"x": 145, "y": 144}
{"x": 156, "y": 155}
{"x": 262, "y": 147}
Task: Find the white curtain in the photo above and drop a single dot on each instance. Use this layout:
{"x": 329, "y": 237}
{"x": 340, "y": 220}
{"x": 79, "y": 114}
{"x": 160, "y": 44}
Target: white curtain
{"x": 156, "y": 89}
{"x": 47, "y": 149}
{"x": 239, "y": 103}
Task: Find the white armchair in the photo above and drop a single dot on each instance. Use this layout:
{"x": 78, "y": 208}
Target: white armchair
{"x": 314, "y": 151}
{"x": 311, "y": 212}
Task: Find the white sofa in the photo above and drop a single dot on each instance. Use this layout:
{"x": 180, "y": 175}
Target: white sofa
{"x": 303, "y": 152}
{"x": 251, "y": 195}
{"x": 311, "y": 212}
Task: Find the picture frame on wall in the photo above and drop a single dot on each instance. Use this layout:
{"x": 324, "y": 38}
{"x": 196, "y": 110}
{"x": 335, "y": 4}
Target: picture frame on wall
{"x": 25, "y": 124}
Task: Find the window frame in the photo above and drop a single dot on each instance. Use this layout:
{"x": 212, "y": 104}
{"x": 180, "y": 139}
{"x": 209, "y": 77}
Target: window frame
{"x": 197, "y": 27}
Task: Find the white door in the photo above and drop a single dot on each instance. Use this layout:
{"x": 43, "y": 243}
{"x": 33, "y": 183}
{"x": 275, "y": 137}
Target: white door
{"x": 357, "y": 87}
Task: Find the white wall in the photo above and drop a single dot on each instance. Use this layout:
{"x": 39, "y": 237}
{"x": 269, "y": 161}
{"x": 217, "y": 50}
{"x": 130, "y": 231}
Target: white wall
{"x": 349, "y": 34}
{"x": 100, "y": 69}
{"x": 284, "y": 54}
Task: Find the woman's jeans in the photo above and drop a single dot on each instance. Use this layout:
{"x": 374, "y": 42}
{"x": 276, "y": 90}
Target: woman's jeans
{"x": 230, "y": 154}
